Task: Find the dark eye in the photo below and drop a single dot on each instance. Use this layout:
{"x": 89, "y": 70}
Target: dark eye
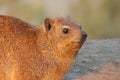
{"x": 65, "y": 30}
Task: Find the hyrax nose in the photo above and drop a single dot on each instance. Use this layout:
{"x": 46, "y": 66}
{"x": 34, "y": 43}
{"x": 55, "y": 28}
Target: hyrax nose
{"x": 84, "y": 34}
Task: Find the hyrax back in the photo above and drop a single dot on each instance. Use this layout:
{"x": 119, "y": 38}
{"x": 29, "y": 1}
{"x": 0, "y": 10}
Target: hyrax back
{"x": 45, "y": 52}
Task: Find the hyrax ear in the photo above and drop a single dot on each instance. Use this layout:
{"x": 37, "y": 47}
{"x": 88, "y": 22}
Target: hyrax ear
{"x": 48, "y": 24}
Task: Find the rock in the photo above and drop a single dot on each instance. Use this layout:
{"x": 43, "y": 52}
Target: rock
{"x": 110, "y": 71}
{"x": 94, "y": 55}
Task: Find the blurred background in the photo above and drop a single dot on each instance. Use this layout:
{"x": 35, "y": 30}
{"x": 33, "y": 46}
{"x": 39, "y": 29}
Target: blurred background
{"x": 99, "y": 18}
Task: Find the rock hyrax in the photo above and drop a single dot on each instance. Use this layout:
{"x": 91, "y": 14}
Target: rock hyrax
{"x": 43, "y": 52}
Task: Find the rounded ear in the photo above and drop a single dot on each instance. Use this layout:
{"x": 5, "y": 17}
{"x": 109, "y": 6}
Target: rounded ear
{"x": 48, "y": 24}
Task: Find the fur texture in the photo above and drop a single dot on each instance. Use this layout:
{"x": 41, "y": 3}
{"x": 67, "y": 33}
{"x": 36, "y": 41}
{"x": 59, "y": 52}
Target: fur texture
{"x": 45, "y": 52}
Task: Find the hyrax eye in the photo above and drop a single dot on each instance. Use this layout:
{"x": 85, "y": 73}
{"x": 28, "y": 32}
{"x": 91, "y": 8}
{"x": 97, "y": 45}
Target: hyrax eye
{"x": 65, "y": 30}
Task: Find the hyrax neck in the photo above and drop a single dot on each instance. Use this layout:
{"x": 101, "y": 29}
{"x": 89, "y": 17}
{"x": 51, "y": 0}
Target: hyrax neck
{"x": 54, "y": 62}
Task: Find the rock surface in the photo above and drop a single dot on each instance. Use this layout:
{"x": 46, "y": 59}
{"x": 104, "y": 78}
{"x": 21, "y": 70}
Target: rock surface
{"x": 93, "y": 56}
{"x": 110, "y": 71}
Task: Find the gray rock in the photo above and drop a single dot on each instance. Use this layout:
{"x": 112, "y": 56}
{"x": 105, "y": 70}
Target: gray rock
{"x": 93, "y": 55}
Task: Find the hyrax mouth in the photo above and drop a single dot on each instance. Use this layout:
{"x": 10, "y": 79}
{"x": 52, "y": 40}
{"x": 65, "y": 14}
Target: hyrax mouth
{"x": 79, "y": 40}
{"x": 76, "y": 40}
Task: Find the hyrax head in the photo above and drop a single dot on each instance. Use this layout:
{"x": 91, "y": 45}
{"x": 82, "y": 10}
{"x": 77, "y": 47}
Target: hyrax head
{"x": 65, "y": 34}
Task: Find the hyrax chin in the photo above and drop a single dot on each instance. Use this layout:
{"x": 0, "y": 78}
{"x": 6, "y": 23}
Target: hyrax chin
{"x": 44, "y": 52}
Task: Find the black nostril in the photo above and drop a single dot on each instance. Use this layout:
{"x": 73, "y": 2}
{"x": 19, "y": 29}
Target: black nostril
{"x": 84, "y": 34}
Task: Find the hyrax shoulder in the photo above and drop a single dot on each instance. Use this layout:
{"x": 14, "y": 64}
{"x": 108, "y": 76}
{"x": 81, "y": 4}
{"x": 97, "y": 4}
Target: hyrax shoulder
{"x": 45, "y": 52}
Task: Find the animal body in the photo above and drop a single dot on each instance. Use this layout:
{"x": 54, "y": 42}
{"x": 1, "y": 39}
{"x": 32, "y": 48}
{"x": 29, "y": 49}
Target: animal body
{"x": 44, "y": 52}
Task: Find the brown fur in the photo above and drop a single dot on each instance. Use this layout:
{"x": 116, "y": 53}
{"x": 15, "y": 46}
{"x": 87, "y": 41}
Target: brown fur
{"x": 111, "y": 71}
{"x": 37, "y": 53}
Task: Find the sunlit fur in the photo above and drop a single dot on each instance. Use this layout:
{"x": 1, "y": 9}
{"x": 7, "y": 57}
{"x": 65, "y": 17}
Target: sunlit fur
{"x": 28, "y": 52}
